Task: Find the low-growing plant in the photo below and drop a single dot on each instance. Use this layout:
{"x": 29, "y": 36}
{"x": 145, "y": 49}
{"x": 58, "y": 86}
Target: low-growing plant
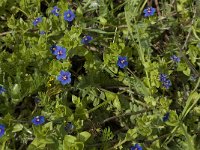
{"x": 99, "y": 74}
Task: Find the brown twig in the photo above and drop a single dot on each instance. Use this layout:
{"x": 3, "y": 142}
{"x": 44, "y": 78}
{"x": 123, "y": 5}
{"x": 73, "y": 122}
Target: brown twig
{"x": 4, "y": 33}
{"x": 149, "y": 2}
{"x": 157, "y": 7}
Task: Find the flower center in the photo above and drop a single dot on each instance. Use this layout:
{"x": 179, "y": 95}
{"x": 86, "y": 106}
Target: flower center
{"x": 122, "y": 61}
{"x": 38, "y": 119}
{"x": 57, "y": 11}
{"x": 54, "y": 48}
{"x": 85, "y": 38}
{"x": 149, "y": 10}
{"x": 64, "y": 77}
{"x": 60, "y": 53}
{"x": 68, "y": 15}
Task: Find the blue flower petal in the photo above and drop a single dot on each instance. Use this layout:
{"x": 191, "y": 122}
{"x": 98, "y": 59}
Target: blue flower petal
{"x": 38, "y": 120}
{"x": 37, "y": 20}
{"x": 69, "y": 16}
{"x": 166, "y": 117}
{"x": 64, "y": 77}
{"x": 136, "y": 147}
{"x": 86, "y": 39}
{"x": 122, "y": 61}
{"x": 2, "y": 130}
{"x": 60, "y": 53}
{"x": 149, "y": 11}
{"x": 175, "y": 58}
{"x": 2, "y": 89}
{"x": 55, "y": 10}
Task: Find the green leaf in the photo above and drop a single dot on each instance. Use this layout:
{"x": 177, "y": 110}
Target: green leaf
{"x": 83, "y": 136}
{"x": 69, "y": 139}
{"x": 189, "y": 139}
{"x": 55, "y": 67}
{"x": 102, "y": 20}
{"x": 70, "y": 143}
{"x": 193, "y": 98}
{"x": 40, "y": 143}
{"x": 137, "y": 85}
{"x": 76, "y": 100}
{"x": 18, "y": 127}
{"x": 116, "y": 103}
{"x": 131, "y": 134}
{"x": 150, "y": 101}
{"x": 173, "y": 119}
{"x": 3, "y": 2}
{"x": 16, "y": 90}
{"x": 11, "y": 22}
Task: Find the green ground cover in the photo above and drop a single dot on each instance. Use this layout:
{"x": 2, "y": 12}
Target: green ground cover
{"x": 99, "y": 74}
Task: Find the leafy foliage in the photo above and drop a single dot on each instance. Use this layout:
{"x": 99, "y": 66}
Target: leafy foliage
{"x": 107, "y": 103}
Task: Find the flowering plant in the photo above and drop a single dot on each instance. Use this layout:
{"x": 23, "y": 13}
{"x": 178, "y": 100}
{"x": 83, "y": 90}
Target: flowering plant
{"x": 119, "y": 74}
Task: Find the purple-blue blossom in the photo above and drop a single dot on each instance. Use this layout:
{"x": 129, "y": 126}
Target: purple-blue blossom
{"x": 165, "y": 80}
{"x": 60, "y": 52}
{"x": 53, "y": 49}
{"x": 42, "y": 32}
{"x": 37, "y": 20}
{"x": 55, "y": 10}
{"x": 2, "y": 89}
{"x": 163, "y": 77}
{"x": 38, "y": 120}
{"x": 122, "y": 61}
{"x": 175, "y": 58}
{"x": 2, "y": 130}
{"x": 64, "y": 77}
{"x": 167, "y": 84}
{"x": 149, "y": 11}
{"x": 166, "y": 117}
{"x": 69, "y": 127}
{"x": 69, "y": 16}
{"x": 86, "y": 39}
{"x": 136, "y": 147}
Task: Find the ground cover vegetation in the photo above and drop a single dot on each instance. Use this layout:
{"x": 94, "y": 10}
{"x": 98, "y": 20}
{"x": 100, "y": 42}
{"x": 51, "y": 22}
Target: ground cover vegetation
{"x": 99, "y": 74}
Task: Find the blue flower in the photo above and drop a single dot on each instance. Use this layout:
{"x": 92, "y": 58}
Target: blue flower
{"x": 64, "y": 77}
{"x": 53, "y": 49}
{"x": 136, "y": 147}
{"x": 60, "y": 52}
{"x": 69, "y": 16}
{"x": 37, "y": 20}
{"x": 36, "y": 99}
{"x": 2, "y": 130}
{"x": 166, "y": 117}
{"x": 69, "y": 127}
{"x": 38, "y": 120}
{"x": 2, "y": 89}
{"x": 122, "y": 61}
{"x": 86, "y": 39}
{"x": 165, "y": 81}
{"x": 163, "y": 77}
{"x": 42, "y": 32}
{"x": 55, "y": 10}
{"x": 167, "y": 84}
{"x": 149, "y": 11}
{"x": 175, "y": 58}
